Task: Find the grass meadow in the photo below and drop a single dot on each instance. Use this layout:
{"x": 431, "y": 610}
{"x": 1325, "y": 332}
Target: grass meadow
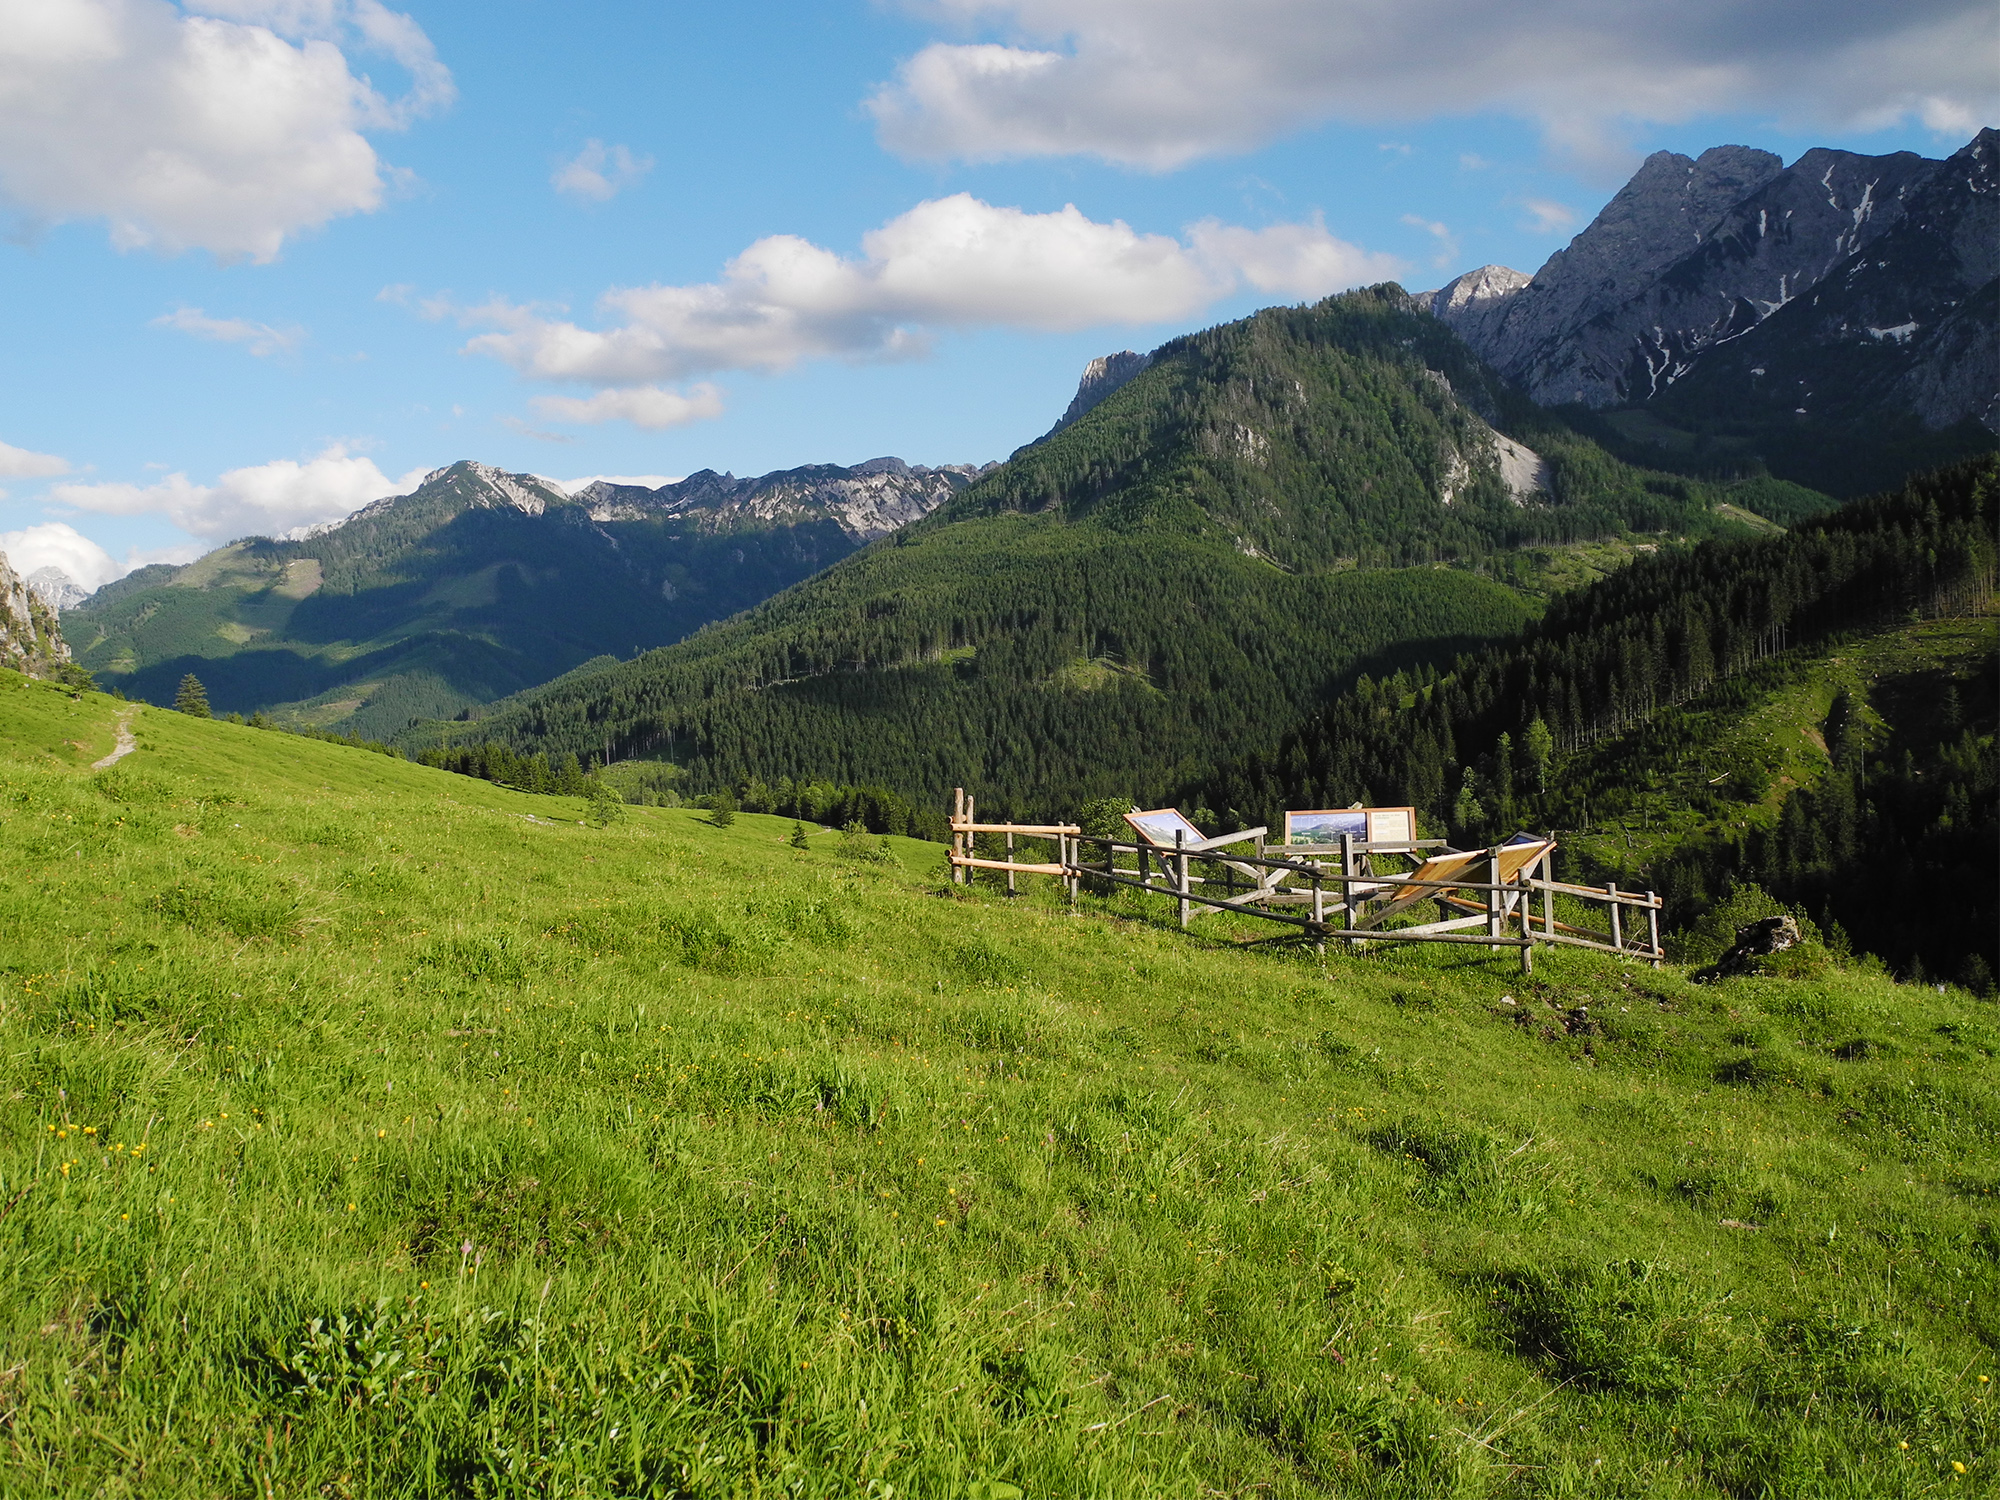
{"x": 371, "y": 1131}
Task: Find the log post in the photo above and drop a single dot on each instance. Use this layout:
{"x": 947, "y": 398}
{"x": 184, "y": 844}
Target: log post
{"x": 1181, "y": 872}
{"x": 957, "y": 838}
{"x": 1010, "y": 860}
{"x": 1549, "y": 896}
{"x": 1617, "y": 929}
{"x": 1653, "y": 926}
{"x": 1493, "y": 903}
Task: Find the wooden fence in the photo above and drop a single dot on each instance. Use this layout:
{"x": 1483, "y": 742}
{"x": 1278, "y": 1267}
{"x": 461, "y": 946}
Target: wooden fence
{"x": 1340, "y": 897}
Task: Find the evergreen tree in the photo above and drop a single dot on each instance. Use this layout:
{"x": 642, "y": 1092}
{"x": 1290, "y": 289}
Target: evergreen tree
{"x": 722, "y": 809}
{"x": 192, "y": 699}
{"x": 799, "y": 839}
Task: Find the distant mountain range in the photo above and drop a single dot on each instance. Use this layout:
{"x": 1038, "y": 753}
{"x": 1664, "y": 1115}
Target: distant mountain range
{"x": 1837, "y": 320}
{"x": 480, "y": 583}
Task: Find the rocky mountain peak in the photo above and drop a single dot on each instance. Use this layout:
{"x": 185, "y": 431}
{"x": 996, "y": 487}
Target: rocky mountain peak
{"x": 56, "y": 588}
{"x": 1101, "y": 377}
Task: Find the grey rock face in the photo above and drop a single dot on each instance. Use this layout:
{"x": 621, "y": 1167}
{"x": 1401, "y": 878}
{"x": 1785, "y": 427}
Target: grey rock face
{"x": 1561, "y": 336}
{"x": 56, "y": 588}
{"x": 867, "y": 501}
{"x": 1473, "y": 304}
{"x": 30, "y": 641}
{"x": 1692, "y": 257}
{"x": 1101, "y": 377}
{"x": 1909, "y": 320}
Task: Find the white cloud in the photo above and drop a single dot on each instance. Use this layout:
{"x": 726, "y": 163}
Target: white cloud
{"x": 951, "y": 263}
{"x": 259, "y": 338}
{"x": 1157, "y": 83}
{"x": 225, "y": 125}
{"x": 1295, "y": 260}
{"x": 644, "y": 406}
{"x": 53, "y": 544}
{"x": 260, "y": 500}
{"x": 19, "y": 463}
{"x": 585, "y": 176}
{"x": 1545, "y": 216}
{"x": 1447, "y": 241}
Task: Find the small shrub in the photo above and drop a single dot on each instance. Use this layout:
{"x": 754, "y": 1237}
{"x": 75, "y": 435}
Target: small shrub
{"x": 858, "y": 844}
{"x": 722, "y": 809}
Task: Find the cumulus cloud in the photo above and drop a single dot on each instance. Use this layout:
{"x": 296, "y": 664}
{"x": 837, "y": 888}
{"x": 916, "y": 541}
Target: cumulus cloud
{"x": 599, "y": 172}
{"x": 261, "y": 500}
{"x": 56, "y": 545}
{"x": 19, "y": 463}
{"x": 259, "y": 338}
{"x": 1290, "y": 260}
{"x": 951, "y": 263}
{"x": 224, "y": 125}
{"x": 644, "y": 406}
{"x": 1157, "y": 83}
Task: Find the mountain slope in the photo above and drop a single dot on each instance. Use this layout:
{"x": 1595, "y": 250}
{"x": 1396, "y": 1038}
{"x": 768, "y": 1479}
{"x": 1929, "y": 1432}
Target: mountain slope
{"x": 1265, "y": 510}
{"x": 1658, "y": 698}
{"x": 376, "y": 1131}
{"x": 1835, "y": 319}
{"x": 479, "y": 584}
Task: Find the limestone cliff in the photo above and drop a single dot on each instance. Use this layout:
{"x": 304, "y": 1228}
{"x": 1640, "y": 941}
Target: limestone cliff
{"x": 30, "y": 640}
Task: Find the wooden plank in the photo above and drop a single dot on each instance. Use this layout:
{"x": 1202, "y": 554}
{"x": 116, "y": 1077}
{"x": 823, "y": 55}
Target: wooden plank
{"x": 1597, "y": 893}
{"x": 970, "y": 863}
{"x": 1026, "y": 830}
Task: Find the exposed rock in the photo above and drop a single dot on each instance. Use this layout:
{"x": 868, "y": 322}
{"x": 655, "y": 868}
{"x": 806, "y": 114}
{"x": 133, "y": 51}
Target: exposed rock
{"x": 1697, "y": 256}
{"x": 30, "y": 640}
{"x": 1757, "y": 940}
{"x": 867, "y": 501}
{"x": 1101, "y": 377}
{"x": 57, "y": 589}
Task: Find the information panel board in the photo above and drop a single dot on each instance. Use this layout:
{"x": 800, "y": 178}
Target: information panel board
{"x": 1371, "y": 825}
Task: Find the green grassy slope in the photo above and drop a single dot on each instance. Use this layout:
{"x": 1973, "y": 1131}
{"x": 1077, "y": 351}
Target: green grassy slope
{"x": 373, "y": 1131}
{"x": 1271, "y": 507}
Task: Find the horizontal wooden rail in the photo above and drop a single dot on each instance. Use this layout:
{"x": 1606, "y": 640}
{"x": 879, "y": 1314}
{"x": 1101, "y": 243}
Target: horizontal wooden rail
{"x": 1026, "y": 830}
{"x": 966, "y": 861}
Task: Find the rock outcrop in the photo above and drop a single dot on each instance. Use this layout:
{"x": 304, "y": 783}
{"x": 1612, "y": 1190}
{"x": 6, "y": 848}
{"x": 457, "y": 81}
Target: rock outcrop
{"x": 56, "y": 588}
{"x": 1693, "y": 256}
{"x": 30, "y": 640}
{"x": 867, "y": 501}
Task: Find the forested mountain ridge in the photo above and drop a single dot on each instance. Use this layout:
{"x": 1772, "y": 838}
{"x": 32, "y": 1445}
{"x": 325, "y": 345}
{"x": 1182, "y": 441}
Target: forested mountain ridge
{"x": 1628, "y": 702}
{"x": 1267, "y": 509}
{"x": 480, "y": 583}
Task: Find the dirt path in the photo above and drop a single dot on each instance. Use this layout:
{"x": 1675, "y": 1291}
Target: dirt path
{"x": 126, "y": 744}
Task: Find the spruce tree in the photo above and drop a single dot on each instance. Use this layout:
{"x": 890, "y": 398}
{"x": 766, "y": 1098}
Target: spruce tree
{"x": 799, "y": 839}
{"x": 192, "y": 699}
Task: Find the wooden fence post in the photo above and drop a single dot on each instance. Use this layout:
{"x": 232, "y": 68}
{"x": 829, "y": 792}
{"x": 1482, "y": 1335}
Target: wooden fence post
{"x": 1010, "y": 860}
{"x": 1494, "y": 908}
{"x": 1653, "y": 926}
{"x": 1617, "y": 930}
{"x": 1181, "y": 883}
{"x": 957, "y": 838}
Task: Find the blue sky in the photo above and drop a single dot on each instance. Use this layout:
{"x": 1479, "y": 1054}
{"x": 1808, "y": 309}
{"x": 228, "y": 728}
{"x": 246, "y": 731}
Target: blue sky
{"x": 319, "y": 326}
